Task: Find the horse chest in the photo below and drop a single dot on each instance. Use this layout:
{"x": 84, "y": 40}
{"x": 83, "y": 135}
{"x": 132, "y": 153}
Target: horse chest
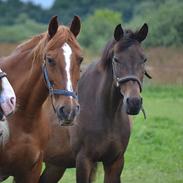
{"x": 104, "y": 146}
{"x": 20, "y": 155}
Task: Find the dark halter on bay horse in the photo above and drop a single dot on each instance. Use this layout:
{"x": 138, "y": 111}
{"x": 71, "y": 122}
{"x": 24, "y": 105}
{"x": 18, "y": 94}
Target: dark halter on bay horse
{"x": 121, "y": 80}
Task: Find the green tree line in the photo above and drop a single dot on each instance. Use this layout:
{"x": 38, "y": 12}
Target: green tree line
{"x": 99, "y": 17}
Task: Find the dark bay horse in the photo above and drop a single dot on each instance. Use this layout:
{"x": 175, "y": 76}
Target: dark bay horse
{"x": 46, "y": 64}
{"x": 109, "y": 91}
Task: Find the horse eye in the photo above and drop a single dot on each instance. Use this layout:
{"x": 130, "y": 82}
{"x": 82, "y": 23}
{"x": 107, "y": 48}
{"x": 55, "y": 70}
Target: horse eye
{"x": 116, "y": 60}
{"x": 50, "y": 61}
{"x": 145, "y": 60}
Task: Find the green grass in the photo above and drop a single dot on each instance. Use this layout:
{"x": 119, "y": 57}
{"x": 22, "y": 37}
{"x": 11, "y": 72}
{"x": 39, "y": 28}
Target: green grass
{"x": 155, "y": 151}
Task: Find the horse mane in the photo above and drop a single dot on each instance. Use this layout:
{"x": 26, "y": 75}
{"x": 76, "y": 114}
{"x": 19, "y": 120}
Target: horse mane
{"x": 37, "y": 43}
{"x": 29, "y": 44}
{"x": 126, "y": 41}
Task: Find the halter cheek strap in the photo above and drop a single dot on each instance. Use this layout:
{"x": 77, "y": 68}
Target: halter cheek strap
{"x": 55, "y": 91}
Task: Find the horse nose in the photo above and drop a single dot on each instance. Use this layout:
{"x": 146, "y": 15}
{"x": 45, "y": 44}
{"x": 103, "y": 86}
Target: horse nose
{"x": 134, "y": 105}
{"x": 8, "y": 105}
{"x": 67, "y": 113}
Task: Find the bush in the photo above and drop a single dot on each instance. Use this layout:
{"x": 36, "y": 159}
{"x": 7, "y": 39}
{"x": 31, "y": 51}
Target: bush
{"x": 23, "y": 29}
{"x": 165, "y": 23}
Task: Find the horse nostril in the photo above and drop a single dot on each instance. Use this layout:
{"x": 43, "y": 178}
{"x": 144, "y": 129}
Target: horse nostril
{"x": 134, "y": 101}
{"x": 138, "y": 101}
{"x": 61, "y": 111}
{"x": 127, "y": 100}
{"x": 67, "y": 112}
{"x": 12, "y": 100}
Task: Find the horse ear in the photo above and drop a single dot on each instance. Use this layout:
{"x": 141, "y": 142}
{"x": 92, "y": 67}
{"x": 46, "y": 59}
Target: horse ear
{"x": 75, "y": 26}
{"x": 142, "y": 33}
{"x": 53, "y": 26}
{"x": 118, "y": 32}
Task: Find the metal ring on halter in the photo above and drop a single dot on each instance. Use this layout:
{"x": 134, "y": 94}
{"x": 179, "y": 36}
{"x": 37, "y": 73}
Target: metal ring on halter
{"x": 55, "y": 91}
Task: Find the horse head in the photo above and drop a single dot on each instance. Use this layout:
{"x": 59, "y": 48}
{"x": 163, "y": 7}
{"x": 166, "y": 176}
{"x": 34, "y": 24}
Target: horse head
{"x": 128, "y": 63}
{"x": 62, "y": 58}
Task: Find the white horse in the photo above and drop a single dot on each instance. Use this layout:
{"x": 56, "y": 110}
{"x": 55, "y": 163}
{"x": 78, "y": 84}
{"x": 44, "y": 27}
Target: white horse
{"x": 7, "y": 106}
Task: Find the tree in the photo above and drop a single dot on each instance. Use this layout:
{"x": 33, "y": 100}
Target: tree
{"x": 165, "y": 23}
{"x": 98, "y": 29}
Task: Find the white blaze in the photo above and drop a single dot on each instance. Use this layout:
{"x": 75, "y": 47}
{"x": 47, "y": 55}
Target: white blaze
{"x": 67, "y": 54}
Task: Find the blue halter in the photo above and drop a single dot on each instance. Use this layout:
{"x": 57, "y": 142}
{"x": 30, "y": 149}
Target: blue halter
{"x": 55, "y": 91}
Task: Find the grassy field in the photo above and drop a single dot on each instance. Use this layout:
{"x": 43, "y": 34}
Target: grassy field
{"x": 155, "y": 152}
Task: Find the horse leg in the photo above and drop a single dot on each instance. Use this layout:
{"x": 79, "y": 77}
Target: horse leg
{"x": 84, "y": 167}
{"x": 31, "y": 176}
{"x": 113, "y": 171}
{"x": 52, "y": 174}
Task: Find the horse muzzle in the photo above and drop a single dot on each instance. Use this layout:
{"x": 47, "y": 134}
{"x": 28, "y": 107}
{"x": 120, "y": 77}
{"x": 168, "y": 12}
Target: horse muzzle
{"x": 133, "y": 105}
{"x": 67, "y": 113}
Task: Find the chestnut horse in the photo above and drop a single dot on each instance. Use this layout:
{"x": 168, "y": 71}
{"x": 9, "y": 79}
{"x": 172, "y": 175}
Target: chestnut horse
{"x": 109, "y": 91}
{"x": 46, "y": 64}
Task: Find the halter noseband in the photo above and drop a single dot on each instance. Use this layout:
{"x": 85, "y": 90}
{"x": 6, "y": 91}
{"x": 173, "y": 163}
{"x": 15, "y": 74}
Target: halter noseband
{"x": 50, "y": 86}
{"x": 124, "y": 79}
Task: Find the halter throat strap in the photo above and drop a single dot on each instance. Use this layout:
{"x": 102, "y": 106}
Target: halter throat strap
{"x": 50, "y": 87}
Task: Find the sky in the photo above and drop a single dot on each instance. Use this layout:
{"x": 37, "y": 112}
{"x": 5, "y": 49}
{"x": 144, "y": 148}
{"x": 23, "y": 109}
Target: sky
{"x": 43, "y": 3}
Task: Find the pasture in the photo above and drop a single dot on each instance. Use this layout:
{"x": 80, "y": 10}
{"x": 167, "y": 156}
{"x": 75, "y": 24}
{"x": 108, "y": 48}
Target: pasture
{"x": 156, "y": 147}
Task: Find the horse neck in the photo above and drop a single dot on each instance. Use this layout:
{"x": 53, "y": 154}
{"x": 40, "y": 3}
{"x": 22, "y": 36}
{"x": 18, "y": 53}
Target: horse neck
{"x": 110, "y": 94}
{"x": 27, "y": 80}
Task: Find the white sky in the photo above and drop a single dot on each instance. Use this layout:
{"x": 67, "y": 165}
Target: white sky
{"x": 43, "y": 3}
